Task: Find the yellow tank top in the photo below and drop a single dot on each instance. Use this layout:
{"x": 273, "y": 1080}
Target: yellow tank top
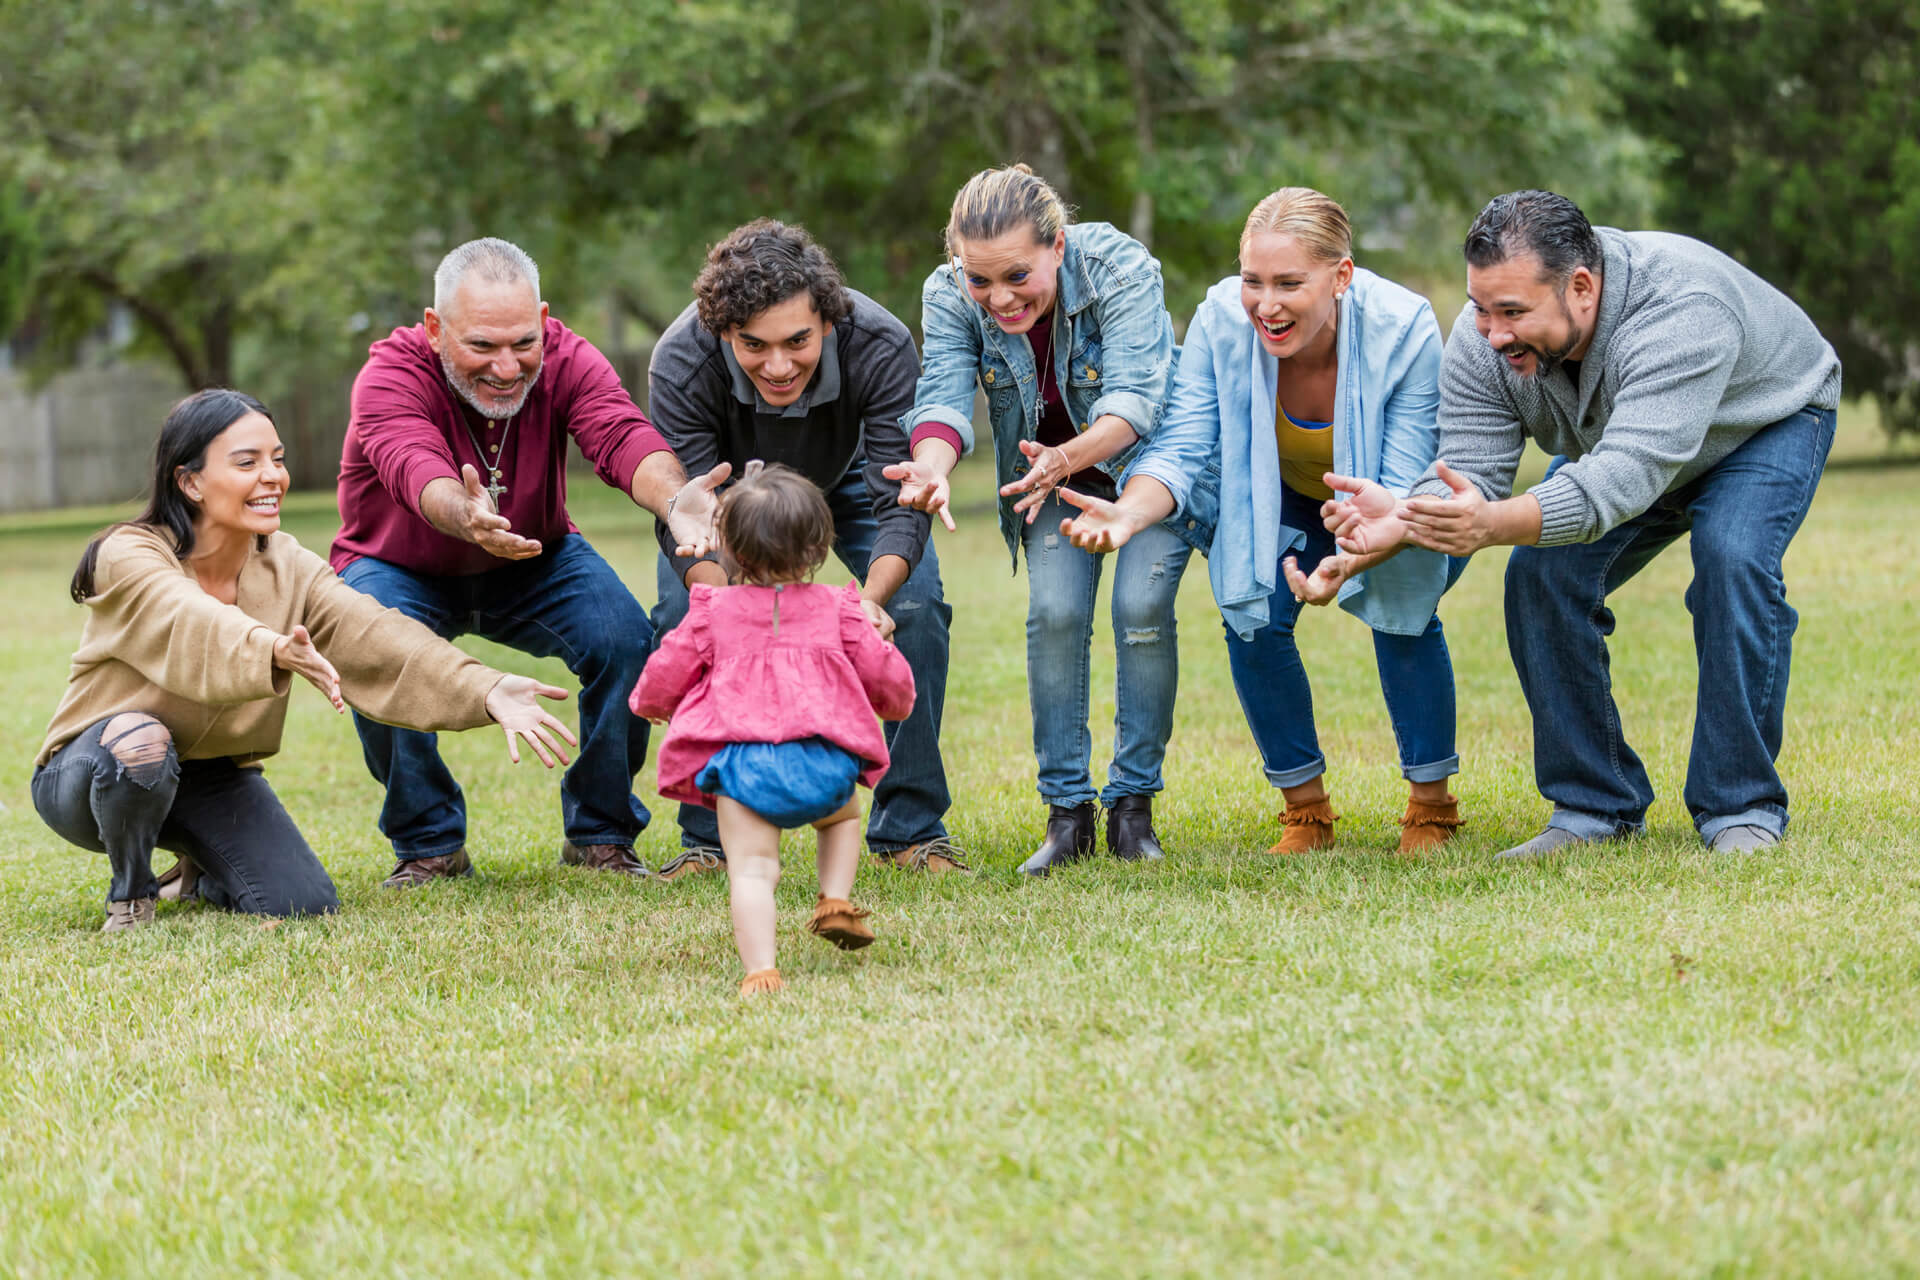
{"x": 1306, "y": 453}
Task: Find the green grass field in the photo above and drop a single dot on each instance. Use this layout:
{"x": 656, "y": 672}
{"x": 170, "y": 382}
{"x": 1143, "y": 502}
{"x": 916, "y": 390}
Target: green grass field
{"x": 1639, "y": 1061}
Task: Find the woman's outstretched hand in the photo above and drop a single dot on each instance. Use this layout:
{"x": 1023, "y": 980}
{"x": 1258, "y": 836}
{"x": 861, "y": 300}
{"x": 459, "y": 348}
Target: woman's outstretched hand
{"x": 1367, "y": 522}
{"x": 1047, "y": 470}
{"x": 1100, "y": 526}
{"x": 1322, "y": 586}
{"x": 515, "y": 704}
{"x": 296, "y": 652}
{"x": 924, "y": 487}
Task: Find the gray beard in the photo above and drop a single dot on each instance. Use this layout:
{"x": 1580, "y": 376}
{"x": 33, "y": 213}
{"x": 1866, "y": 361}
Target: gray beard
{"x": 464, "y": 388}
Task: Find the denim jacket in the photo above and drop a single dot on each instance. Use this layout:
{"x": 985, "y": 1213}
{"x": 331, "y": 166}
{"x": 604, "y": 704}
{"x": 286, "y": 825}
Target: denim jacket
{"x": 1220, "y": 419}
{"x": 1113, "y": 352}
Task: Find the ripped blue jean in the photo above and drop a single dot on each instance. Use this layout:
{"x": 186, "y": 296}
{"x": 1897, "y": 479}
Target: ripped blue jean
{"x": 1063, "y": 583}
{"x": 225, "y": 818}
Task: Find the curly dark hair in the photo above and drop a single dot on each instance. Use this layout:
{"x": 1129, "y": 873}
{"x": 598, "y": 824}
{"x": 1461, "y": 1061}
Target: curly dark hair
{"x": 774, "y": 527}
{"x": 761, "y": 265}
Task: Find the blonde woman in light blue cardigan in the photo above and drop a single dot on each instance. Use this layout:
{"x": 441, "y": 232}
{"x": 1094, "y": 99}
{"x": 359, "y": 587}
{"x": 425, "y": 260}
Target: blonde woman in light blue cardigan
{"x": 1301, "y": 366}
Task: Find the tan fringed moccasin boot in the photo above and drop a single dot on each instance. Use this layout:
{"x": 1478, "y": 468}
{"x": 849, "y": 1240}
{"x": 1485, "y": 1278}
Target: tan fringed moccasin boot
{"x": 761, "y": 980}
{"x": 1308, "y": 826}
{"x": 1428, "y": 826}
{"x": 841, "y": 923}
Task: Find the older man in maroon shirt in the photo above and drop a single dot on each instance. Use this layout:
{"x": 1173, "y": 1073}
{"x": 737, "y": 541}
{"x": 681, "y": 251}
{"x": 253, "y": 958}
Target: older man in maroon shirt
{"x": 488, "y": 385}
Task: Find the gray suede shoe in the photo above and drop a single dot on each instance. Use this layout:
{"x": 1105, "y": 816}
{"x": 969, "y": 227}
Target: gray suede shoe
{"x": 1744, "y": 838}
{"x": 1549, "y": 842}
{"x": 134, "y": 913}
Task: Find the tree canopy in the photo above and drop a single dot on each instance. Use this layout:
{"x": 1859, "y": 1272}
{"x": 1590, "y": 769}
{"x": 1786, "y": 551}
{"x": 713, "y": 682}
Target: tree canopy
{"x": 1791, "y": 139}
{"x": 267, "y": 183}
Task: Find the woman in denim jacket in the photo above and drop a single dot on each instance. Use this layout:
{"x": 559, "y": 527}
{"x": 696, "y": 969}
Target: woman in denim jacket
{"x": 1301, "y": 367}
{"x": 1065, "y": 329}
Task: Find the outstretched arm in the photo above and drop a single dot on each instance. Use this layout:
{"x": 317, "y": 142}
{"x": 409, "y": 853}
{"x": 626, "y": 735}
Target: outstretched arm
{"x": 1107, "y": 526}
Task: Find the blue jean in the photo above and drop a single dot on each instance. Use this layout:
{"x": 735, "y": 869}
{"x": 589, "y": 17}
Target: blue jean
{"x": 1416, "y": 676}
{"x": 911, "y": 801}
{"x": 1062, "y": 584}
{"x": 567, "y": 603}
{"x": 1742, "y": 514}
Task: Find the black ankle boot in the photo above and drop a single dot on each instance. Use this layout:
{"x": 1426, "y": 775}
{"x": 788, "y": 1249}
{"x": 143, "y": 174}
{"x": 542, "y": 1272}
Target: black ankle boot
{"x": 1069, "y": 838}
{"x": 1130, "y": 830}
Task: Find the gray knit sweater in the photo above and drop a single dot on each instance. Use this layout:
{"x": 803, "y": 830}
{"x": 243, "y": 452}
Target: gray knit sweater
{"x": 1691, "y": 354}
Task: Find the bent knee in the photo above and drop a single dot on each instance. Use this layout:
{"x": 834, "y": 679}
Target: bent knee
{"x": 140, "y": 743}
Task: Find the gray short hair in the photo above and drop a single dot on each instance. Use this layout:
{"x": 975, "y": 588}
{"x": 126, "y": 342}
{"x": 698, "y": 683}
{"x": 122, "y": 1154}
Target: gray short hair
{"x": 496, "y": 261}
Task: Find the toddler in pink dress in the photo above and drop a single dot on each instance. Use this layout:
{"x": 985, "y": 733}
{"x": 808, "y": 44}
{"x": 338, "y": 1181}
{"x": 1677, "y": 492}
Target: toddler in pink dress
{"x": 772, "y": 685}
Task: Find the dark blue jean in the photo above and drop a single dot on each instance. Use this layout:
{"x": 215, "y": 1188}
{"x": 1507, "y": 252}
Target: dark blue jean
{"x": 565, "y": 603}
{"x": 225, "y": 818}
{"x": 1742, "y": 514}
{"x": 1416, "y": 676}
{"x": 910, "y": 804}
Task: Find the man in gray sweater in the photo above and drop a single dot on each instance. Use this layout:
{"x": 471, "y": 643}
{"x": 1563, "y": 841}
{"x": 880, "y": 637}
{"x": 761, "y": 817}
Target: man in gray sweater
{"x": 1679, "y": 393}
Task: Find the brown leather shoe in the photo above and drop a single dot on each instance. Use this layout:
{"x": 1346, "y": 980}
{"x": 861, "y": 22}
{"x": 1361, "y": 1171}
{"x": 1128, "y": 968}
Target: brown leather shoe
{"x": 937, "y": 856}
{"x": 411, "y": 873}
{"x": 841, "y": 923}
{"x": 1308, "y": 826}
{"x": 134, "y": 913}
{"x": 692, "y": 861}
{"x": 180, "y": 882}
{"x": 602, "y": 857}
{"x": 1426, "y": 827}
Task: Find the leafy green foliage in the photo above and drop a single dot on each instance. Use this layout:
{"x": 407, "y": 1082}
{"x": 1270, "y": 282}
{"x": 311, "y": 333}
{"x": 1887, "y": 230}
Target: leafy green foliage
{"x": 1792, "y": 140}
{"x": 266, "y": 185}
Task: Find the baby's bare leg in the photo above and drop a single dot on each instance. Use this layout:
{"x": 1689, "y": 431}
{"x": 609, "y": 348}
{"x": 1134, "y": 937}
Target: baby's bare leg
{"x": 839, "y": 856}
{"x": 752, "y": 846}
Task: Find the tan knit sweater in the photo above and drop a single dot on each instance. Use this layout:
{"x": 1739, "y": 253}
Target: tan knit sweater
{"x": 154, "y": 641}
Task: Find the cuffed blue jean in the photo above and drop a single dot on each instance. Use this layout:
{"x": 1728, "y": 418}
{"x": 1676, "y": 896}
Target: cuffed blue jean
{"x": 1741, "y": 514}
{"x": 1062, "y": 585}
{"x": 910, "y": 803}
{"x": 1416, "y": 677}
{"x": 564, "y": 603}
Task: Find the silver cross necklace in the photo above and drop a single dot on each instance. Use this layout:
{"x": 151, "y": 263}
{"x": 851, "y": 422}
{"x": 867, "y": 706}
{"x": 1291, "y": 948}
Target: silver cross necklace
{"x": 495, "y": 490}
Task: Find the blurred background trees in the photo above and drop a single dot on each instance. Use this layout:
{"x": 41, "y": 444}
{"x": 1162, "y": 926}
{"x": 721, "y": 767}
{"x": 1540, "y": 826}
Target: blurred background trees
{"x": 257, "y": 188}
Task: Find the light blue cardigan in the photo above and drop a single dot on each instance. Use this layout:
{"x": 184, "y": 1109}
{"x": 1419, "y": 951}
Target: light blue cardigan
{"x": 1220, "y": 417}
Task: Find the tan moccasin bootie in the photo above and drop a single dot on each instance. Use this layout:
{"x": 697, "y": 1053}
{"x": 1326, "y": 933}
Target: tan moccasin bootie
{"x": 1428, "y": 826}
{"x": 1308, "y": 826}
{"x": 761, "y": 980}
{"x": 841, "y": 923}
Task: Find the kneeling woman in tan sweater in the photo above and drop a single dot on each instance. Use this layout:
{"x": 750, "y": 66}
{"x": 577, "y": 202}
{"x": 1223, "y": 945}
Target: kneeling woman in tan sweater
{"x": 199, "y": 613}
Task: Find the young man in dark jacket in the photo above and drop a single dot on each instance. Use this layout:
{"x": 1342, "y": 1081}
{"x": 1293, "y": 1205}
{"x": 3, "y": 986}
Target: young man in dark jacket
{"x": 777, "y": 359}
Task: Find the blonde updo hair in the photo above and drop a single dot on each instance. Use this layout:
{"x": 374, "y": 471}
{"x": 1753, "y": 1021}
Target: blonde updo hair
{"x": 1317, "y": 221}
{"x": 996, "y": 201}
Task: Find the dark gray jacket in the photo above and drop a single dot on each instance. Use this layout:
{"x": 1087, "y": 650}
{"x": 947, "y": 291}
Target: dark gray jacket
{"x": 704, "y": 404}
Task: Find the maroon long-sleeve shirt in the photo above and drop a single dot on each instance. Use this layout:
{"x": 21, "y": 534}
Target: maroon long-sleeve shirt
{"x": 409, "y": 428}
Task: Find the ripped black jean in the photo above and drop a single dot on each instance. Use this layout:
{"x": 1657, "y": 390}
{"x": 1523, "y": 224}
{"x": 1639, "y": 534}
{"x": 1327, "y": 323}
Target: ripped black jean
{"x": 225, "y": 818}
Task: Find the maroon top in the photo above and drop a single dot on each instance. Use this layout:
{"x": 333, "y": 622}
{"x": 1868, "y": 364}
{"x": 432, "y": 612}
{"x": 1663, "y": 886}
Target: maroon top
{"x": 409, "y": 427}
{"x": 1056, "y": 424}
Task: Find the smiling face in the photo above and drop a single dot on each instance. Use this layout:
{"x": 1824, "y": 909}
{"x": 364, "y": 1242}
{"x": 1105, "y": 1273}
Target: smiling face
{"x": 490, "y": 340}
{"x": 1015, "y": 279}
{"x": 1533, "y": 324}
{"x": 239, "y": 486}
{"x": 1291, "y": 296}
{"x": 779, "y": 348}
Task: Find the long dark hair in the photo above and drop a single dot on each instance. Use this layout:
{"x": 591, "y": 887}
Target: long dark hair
{"x": 193, "y": 425}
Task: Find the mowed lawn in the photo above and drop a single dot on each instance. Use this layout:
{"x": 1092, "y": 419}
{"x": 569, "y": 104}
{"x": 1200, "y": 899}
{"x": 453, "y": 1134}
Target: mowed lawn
{"x": 1636, "y": 1061}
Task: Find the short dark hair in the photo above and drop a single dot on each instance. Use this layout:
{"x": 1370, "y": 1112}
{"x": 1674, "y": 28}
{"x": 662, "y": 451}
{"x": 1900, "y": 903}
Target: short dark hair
{"x": 195, "y": 423}
{"x": 1549, "y": 226}
{"x": 774, "y": 527}
{"x": 761, "y": 265}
